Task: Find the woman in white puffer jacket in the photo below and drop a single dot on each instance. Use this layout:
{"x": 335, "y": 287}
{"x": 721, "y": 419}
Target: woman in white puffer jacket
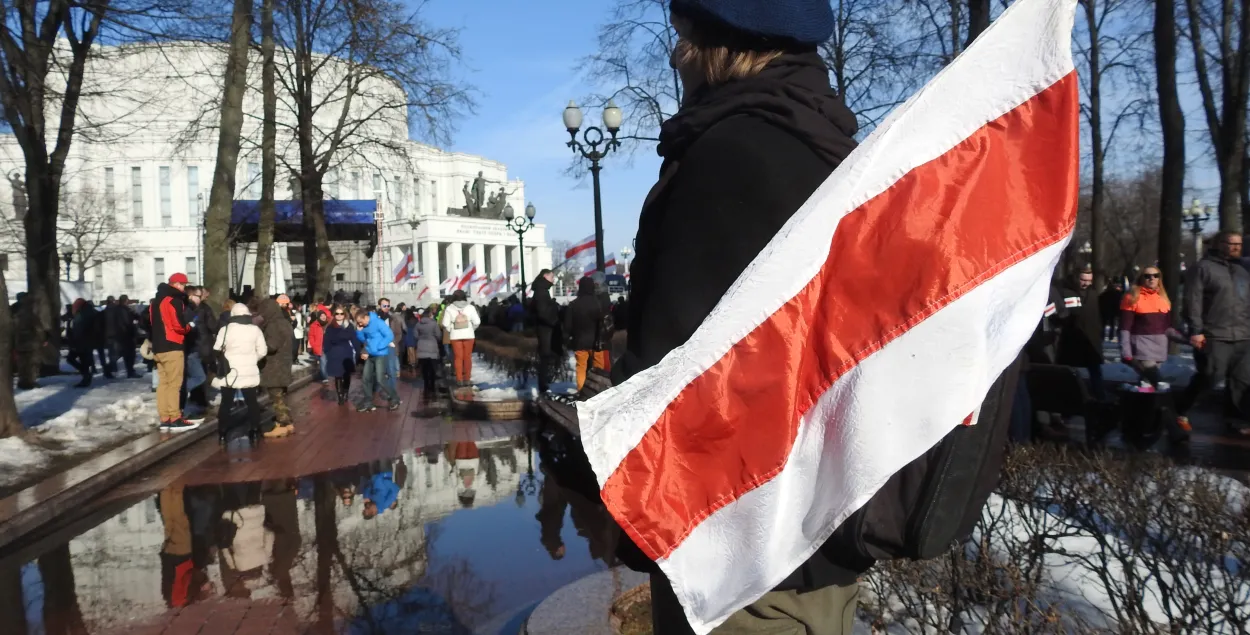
{"x": 243, "y": 344}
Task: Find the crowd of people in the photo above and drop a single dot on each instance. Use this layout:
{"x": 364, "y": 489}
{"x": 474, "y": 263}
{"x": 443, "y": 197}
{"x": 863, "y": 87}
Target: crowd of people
{"x": 1215, "y": 318}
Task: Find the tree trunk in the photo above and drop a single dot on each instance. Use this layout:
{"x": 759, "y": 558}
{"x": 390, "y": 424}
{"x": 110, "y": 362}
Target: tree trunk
{"x": 978, "y": 19}
{"x": 1172, "y": 120}
{"x": 324, "y": 502}
{"x": 10, "y": 424}
{"x": 62, "y": 614}
{"x": 220, "y": 199}
{"x": 43, "y": 266}
{"x": 1098, "y": 152}
{"x": 269, "y": 163}
{"x": 318, "y": 258}
{"x": 12, "y": 601}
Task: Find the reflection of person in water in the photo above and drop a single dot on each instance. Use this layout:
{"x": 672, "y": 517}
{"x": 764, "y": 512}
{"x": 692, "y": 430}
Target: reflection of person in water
{"x": 176, "y": 563}
{"x": 244, "y": 542}
{"x": 465, "y": 460}
{"x": 380, "y": 494}
{"x": 282, "y": 519}
{"x": 551, "y": 505}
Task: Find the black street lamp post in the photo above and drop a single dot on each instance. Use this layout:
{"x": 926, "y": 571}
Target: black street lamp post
{"x": 588, "y": 147}
{"x": 69, "y": 259}
{"x": 520, "y": 225}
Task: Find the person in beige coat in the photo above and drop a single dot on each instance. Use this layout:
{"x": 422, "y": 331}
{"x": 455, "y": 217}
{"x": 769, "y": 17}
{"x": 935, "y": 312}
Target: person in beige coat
{"x": 244, "y": 346}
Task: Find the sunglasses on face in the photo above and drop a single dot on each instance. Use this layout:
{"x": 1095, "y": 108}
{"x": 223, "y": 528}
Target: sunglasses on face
{"x": 385, "y": 306}
{"x": 1150, "y": 276}
{"x": 340, "y": 314}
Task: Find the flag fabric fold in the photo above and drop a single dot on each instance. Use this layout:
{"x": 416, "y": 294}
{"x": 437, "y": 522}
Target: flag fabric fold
{"x": 870, "y": 326}
{"x": 580, "y": 246}
{"x": 400, "y": 272}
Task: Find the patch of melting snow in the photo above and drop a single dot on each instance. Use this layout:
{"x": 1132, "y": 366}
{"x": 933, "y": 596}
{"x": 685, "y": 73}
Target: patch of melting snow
{"x": 493, "y": 385}
{"x": 63, "y": 421}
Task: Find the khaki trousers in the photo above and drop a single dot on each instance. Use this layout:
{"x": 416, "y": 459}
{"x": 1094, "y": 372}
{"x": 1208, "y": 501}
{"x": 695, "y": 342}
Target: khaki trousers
{"x": 827, "y": 611}
{"x": 169, "y": 370}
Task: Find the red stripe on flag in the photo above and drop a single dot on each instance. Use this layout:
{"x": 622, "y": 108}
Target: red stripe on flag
{"x": 1001, "y": 195}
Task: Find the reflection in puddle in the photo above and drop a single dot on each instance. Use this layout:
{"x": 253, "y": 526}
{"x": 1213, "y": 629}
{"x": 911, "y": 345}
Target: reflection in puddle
{"x": 457, "y": 538}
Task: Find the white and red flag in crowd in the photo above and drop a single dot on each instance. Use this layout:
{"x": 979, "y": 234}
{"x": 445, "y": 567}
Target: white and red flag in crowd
{"x": 465, "y": 278}
{"x": 580, "y": 246}
{"x": 413, "y": 274}
{"x": 871, "y": 325}
{"x": 400, "y": 272}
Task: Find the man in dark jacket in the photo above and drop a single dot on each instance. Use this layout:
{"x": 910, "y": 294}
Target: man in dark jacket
{"x": 1109, "y": 308}
{"x": 275, "y": 374}
{"x": 81, "y": 336}
{"x": 602, "y": 358}
{"x": 170, "y": 322}
{"x": 546, "y": 314}
{"x": 582, "y": 321}
{"x": 1217, "y": 309}
{"x": 119, "y": 322}
{"x": 1080, "y": 328}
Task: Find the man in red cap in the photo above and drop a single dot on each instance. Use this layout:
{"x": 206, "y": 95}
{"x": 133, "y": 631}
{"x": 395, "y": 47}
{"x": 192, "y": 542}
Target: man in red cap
{"x": 168, "y": 313}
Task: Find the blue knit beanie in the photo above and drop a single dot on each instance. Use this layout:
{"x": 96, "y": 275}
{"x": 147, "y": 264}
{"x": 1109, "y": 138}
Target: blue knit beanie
{"x": 801, "y": 21}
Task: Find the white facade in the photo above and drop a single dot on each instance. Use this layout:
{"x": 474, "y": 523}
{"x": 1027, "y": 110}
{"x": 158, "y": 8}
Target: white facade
{"x": 148, "y": 154}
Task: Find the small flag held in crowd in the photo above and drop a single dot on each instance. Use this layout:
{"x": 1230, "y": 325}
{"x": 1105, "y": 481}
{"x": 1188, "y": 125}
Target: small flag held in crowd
{"x": 400, "y": 272}
{"x": 826, "y": 369}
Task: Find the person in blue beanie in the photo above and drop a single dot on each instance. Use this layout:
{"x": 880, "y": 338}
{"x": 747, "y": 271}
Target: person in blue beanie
{"x": 758, "y": 130}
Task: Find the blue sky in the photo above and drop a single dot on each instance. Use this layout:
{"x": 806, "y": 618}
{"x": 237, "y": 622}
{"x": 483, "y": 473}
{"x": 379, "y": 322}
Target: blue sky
{"x": 521, "y": 56}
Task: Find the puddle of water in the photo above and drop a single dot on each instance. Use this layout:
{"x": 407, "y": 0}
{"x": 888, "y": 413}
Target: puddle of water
{"x": 458, "y": 538}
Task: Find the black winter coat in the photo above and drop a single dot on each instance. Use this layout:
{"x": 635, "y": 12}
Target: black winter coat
{"x": 119, "y": 324}
{"x": 1080, "y": 327}
{"x": 583, "y": 318}
{"x": 726, "y": 187}
{"x": 546, "y": 314}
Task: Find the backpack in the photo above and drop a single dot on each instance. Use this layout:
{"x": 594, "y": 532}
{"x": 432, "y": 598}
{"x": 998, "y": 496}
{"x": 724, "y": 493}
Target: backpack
{"x": 461, "y": 322}
{"x": 935, "y": 500}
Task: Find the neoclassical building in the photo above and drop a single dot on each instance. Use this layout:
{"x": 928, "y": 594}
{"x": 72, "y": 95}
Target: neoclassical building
{"x": 144, "y": 158}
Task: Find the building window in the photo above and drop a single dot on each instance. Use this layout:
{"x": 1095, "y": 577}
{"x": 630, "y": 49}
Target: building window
{"x": 128, "y": 268}
{"x": 332, "y": 183}
{"x": 136, "y": 196}
{"x": 167, "y": 200}
{"x": 339, "y": 277}
{"x": 110, "y": 187}
{"x": 377, "y": 186}
{"x": 434, "y": 197}
{"x": 97, "y": 275}
{"x": 399, "y": 197}
{"x": 193, "y": 194}
{"x": 355, "y": 183}
{"x": 158, "y": 269}
{"x": 253, "y": 180}
{"x": 193, "y": 269}
{"x": 416, "y": 196}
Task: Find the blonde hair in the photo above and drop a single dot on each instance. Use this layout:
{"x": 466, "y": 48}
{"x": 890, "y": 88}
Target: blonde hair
{"x": 719, "y": 62}
{"x": 1141, "y": 279}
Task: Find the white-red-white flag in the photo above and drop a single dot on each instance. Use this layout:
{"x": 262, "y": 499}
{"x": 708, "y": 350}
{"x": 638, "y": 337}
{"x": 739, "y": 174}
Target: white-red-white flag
{"x": 580, "y": 246}
{"x": 871, "y": 325}
{"x": 466, "y": 277}
{"x": 400, "y": 272}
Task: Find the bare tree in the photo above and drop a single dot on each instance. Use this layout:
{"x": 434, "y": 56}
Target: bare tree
{"x": 635, "y": 45}
{"x": 221, "y": 197}
{"x": 10, "y": 424}
{"x": 1219, "y": 31}
{"x": 33, "y": 80}
{"x": 87, "y": 227}
{"x": 268, "y": 143}
{"x": 866, "y": 63}
{"x": 1172, "y": 121}
{"x": 358, "y": 74}
{"x": 1108, "y": 49}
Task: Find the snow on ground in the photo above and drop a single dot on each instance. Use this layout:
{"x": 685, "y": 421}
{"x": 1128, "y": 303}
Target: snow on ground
{"x": 493, "y": 384}
{"x": 63, "y": 421}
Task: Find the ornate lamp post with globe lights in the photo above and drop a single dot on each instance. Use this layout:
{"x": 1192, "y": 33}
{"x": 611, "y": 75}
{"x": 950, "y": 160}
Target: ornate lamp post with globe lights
{"x": 1197, "y": 215}
{"x": 588, "y": 147}
{"x": 520, "y": 225}
{"x": 627, "y": 253}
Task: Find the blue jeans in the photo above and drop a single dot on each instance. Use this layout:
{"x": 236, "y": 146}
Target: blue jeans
{"x": 392, "y": 370}
{"x": 375, "y": 379}
{"x": 324, "y": 375}
{"x": 194, "y": 373}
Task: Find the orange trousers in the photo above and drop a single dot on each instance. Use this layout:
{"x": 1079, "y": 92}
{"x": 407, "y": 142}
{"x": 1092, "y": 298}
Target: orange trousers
{"x": 462, "y": 353}
{"x": 601, "y": 360}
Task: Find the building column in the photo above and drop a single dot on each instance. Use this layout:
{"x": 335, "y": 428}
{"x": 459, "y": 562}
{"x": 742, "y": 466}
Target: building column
{"x": 454, "y": 264}
{"x": 542, "y": 258}
{"x": 478, "y": 254}
{"x": 429, "y": 264}
{"x": 498, "y": 261}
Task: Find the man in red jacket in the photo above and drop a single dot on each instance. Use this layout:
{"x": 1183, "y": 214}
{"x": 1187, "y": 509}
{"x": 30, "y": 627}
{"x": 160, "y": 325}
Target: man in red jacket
{"x": 170, "y": 326}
